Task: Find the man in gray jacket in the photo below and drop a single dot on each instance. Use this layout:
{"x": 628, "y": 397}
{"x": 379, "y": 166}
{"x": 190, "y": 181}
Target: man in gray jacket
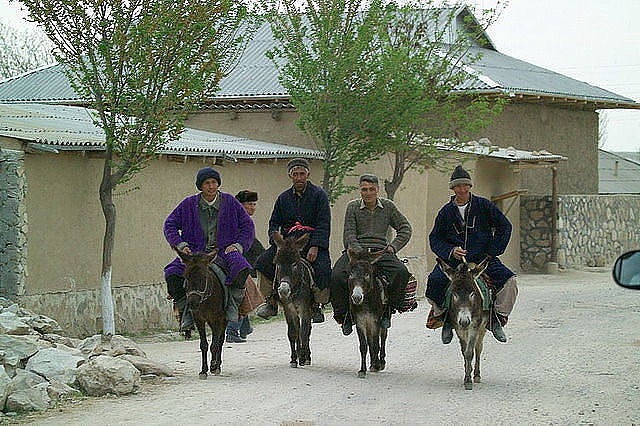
{"x": 366, "y": 227}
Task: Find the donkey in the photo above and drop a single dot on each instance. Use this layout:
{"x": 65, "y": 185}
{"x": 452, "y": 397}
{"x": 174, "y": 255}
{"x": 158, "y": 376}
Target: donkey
{"x": 367, "y": 307}
{"x": 468, "y": 312}
{"x": 293, "y": 281}
{"x": 205, "y": 297}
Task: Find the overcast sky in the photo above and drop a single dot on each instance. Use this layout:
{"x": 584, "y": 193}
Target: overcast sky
{"x": 595, "y": 41}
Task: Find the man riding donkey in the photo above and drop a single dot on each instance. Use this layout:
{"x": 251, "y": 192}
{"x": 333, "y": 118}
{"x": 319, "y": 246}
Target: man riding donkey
{"x": 301, "y": 209}
{"x": 204, "y": 222}
{"x": 470, "y": 228}
{"x": 366, "y": 226}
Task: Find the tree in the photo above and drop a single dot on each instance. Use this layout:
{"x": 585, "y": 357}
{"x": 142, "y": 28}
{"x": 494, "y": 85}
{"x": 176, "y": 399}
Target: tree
{"x": 324, "y": 59}
{"x": 22, "y": 50}
{"x": 143, "y": 65}
{"x": 424, "y": 60}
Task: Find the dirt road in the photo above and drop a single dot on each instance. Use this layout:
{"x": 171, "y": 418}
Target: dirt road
{"x": 572, "y": 358}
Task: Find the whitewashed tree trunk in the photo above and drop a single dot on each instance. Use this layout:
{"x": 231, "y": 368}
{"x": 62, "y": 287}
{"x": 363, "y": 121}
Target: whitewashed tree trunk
{"x": 108, "y": 317}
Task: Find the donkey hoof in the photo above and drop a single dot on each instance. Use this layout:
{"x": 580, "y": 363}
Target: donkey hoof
{"x": 476, "y": 379}
{"x": 215, "y": 371}
{"x": 202, "y": 376}
{"x": 362, "y": 374}
{"x": 374, "y": 368}
{"x": 383, "y": 364}
{"x": 468, "y": 386}
{"x": 293, "y": 364}
{"x": 305, "y": 362}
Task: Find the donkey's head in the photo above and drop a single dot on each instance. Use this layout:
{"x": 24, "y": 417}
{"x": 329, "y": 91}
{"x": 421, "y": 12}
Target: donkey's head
{"x": 290, "y": 271}
{"x": 466, "y": 299}
{"x": 197, "y": 275}
{"x": 361, "y": 273}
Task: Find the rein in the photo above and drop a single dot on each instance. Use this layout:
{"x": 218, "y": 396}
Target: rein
{"x": 204, "y": 294}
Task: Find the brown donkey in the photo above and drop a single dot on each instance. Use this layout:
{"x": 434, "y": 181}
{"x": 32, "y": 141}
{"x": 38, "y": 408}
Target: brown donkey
{"x": 205, "y": 297}
{"x": 468, "y": 312}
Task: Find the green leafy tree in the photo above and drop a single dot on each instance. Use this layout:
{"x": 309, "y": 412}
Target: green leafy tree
{"x": 424, "y": 57}
{"x": 143, "y": 65}
{"x": 22, "y": 50}
{"x": 324, "y": 58}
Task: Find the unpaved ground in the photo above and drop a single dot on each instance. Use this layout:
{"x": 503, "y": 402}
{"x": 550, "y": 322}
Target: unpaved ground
{"x": 572, "y": 358}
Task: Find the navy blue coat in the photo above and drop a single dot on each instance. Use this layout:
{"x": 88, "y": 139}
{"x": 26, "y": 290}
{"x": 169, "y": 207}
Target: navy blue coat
{"x": 312, "y": 210}
{"x": 485, "y": 231}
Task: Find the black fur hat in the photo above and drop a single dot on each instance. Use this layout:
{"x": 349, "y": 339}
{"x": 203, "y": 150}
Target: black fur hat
{"x": 246, "y": 196}
{"x": 460, "y": 177}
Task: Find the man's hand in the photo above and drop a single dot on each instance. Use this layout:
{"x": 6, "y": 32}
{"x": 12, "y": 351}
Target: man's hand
{"x": 459, "y": 252}
{"x": 390, "y": 249}
{"x": 230, "y": 249}
{"x": 312, "y": 254}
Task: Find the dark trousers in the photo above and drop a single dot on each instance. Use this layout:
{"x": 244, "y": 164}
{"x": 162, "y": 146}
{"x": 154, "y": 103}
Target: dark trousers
{"x": 395, "y": 271}
{"x": 175, "y": 287}
{"x": 321, "y": 266}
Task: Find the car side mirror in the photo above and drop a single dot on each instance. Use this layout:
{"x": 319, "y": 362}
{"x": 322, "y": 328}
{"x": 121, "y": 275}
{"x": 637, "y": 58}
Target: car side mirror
{"x": 626, "y": 270}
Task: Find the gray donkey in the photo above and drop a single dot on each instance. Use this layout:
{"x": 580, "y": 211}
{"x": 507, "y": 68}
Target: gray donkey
{"x": 469, "y": 313}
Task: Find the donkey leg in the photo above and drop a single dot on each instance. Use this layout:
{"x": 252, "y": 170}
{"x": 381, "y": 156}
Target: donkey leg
{"x": 217, "y": 340}
{"x": 383, "y": 343}
{"x": 293, "y": 333}
{"x": 204, "y": 348}
{"x": 479, "y": 347}
{"x": 468, "y": 360}
{"x": 374, "y": 346}
{"x": 304, "y": 348}
{"x": 362, "y": 338}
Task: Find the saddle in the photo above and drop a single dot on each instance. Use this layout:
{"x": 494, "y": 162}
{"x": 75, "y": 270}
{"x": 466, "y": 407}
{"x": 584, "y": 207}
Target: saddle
{"x": 409, "y": 302}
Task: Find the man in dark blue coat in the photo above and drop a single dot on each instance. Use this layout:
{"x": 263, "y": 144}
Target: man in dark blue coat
{"x": 303, "y": 208}
{"x": 473, "y": 228}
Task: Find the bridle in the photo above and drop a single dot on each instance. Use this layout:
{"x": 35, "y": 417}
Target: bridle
{"x": 206, "y": 292}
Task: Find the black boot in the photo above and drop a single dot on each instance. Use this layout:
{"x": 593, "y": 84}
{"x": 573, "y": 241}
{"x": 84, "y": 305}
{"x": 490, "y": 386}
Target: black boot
{"x": 447, "y": 331}
{"x": 185, "y": 315}
{"x": 385, "y": 320}
{"x": 268, "y": 309}
{"x": 347, "y": 325}
{"x": 316, "y": 313}
{"x": 497, "y": 330}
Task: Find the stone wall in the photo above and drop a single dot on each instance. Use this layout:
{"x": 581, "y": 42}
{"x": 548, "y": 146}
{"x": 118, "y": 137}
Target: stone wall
{"x": 13, "y": 223}
{"x": 138, "y": 309}
{"x": 593, "y": 230}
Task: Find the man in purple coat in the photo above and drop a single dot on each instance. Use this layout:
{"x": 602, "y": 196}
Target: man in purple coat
{"x": 203, "y": 222}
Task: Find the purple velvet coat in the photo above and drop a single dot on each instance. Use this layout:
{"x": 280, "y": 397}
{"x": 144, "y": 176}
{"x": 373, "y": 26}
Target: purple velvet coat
{"x": 234, "y": 226}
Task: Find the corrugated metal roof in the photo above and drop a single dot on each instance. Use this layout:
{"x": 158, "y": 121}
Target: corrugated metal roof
{"x": 485, "y": 148}
{"x": 255, "y": 77}
{"x": 512, "y": 75}
{"x": 71, "y": 128}
{"x": 617, "y": 174}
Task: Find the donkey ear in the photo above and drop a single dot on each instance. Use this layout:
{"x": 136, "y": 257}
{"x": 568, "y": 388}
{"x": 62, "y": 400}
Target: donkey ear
{"x": 479, "y": 269}
{"x": 184, "y": 256}
{"x": 352, "y": 253}
{"x": 277, "y": 238}
{"x": 448, "y": 270}
{"x": 302, "y": 241}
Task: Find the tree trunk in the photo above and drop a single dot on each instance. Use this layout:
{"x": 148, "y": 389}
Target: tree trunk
{"x": 109, "y": 211}
{"x": 391, "y": 186}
